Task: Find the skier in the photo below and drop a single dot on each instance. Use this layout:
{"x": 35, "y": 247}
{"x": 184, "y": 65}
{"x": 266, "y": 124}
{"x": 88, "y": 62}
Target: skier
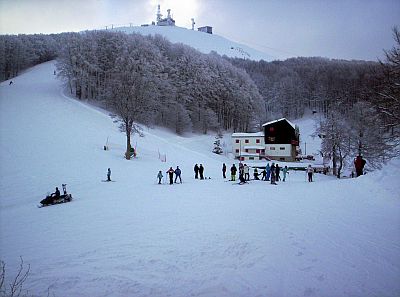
{"x": 233, "y": 172}
{"x": 171, "y": 175}
{"x": 11, "y": 82}
{"x": 310, "y": 172}
{"x": 273, "y": 176}
{"x": 201, "y": 171}
{"x": 246, "y": 171}
{"x": 109, "y": 174}
{"x": 159, "y": 176}
{"x": 256, "y": 174}
{"x": 196, "y": 171}
{"x": 285, "y": 171}
{"x": 359, "y": 163}
{"x": 277, "y": 172}
{"x": 268, "y": 170}
{"x": 242, "y": 180}
{"x": 241, "y": 174}
{"x": 178, "y": 174}
{"x": 224, "y": 170}
{"x": 264, "y": 175}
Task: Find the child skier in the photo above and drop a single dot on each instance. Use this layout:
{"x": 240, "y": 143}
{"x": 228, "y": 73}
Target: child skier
{"x": 159, "y": 176}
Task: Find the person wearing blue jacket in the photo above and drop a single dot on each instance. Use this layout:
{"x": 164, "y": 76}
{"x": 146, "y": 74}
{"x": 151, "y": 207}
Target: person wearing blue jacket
{"x": 178, "y": 174}
{"x": 268, "y": 169}
{"x": 159, "y": 176}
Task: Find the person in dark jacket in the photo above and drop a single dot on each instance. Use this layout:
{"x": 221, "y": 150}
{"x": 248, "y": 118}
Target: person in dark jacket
{"x": 159, "y": 176}
{"x": 170, "y": 173}
{"x": 359, "y": 164}
{"x": 233, "y": 172}
{"x": 178, "y": 174}
{"x": 264, "y": 175}
{"x": 224, "y": 170}
{"x": 277, "y": 172}
{"x": 196, "y": 171}
{"x": 256, "y": 173}
{"x": 57, "y": 193}
{"x": 108, "y": 174}
{"x": 273, "y": 174}
{"x": 201, "y": 171}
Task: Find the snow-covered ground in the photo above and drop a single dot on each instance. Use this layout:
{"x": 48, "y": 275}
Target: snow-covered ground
{"x": 209, "y": 237}
{"x": 201, "y": 41}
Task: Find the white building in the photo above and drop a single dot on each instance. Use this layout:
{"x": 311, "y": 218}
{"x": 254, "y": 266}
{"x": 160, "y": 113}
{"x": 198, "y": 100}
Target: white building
{"x": 278, "y": 141}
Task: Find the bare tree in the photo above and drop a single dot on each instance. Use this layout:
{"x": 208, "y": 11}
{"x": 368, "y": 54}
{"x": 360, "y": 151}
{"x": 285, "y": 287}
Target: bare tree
{"x": 15, "y": 287}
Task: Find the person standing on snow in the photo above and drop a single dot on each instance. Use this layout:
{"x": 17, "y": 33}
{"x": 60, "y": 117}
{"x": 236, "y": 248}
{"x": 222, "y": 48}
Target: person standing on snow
{"x": 196, "y": 171}
{"x": 224, "y": 170}
{"x": 108, "y": 174}
{"x": 233, "y": 172}
{"x": 256, "y": 173}
{"x": 268, "y": 170}
{"x": 201, "y": 171}
{"x": 159, "y": 176}
{"x": 359, "y": 164}
{"x": 246, "y": 171}
{"x": 171, "y": 175}
{"x": 273, "y": 176}
{"x": 277, "y": 172}
{"x": 264, "y": 175}
{"x": 285, "y": 171}
{"x": 178, "y": 174}
{"x": 310, "y": 172}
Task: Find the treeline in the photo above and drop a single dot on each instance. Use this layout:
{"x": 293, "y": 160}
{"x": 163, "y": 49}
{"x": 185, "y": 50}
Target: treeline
{"x": 157, "y": 82}
{"x": 358, "y": 102}
{"x": 291, "y": 87}
{"x": 19, "y": 52}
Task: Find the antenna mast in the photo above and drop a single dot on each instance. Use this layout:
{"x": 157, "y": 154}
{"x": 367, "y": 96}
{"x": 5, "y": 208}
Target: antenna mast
{"x": 193, "y": 23}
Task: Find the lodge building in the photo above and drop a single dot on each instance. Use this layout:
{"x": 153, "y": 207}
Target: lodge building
{"x": 278, "y": 141}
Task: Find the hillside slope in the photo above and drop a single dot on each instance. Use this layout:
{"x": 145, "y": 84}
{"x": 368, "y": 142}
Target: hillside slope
{"x": 209, "y": 237}
{"x": 203, "y": 42}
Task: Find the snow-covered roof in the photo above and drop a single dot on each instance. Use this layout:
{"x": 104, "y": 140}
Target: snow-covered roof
{"x": 256, "y": 134}
{"x": 282, "y": 119}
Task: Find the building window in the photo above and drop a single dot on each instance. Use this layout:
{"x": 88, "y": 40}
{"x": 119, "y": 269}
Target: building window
{"x": 246, "y": 150}
{"x": 237, "y": 150}
{"x": 237, "y": 140}
{"x": 251, "y": 158}
{"x": 257, "y": 151}
{"x": 282, "y": 159}
{"x": 272, "y": 148}
{"x": 271, "y": 129}
{"x": 257, "y": 140}
{"x": 246, "y": 141}
{"x": 260, "y": 158}
{"x": 263, "y": 151}
{"x": 282, "y": 148}
{"x": 271, "y": 139}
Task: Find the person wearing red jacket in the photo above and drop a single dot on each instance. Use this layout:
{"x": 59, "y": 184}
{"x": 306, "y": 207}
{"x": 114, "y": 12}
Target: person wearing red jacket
{"x": 359, "y": 164}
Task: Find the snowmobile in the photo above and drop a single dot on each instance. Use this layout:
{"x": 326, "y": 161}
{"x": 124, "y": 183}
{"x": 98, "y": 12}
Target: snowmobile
{"x": 52, "y": 199}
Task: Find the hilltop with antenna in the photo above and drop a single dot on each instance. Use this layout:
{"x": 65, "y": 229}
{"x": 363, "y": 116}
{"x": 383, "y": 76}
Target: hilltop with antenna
{"x": 204, "y": 43}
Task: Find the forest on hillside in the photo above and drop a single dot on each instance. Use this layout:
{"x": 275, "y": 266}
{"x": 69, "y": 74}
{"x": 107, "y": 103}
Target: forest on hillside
{"x": 148, "y": 80}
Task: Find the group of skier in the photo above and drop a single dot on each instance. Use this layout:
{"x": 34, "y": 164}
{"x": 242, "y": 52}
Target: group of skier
{"x": 171, "y": 172}
{"x": 269, "y": 173}
{"x": 198, "y": 170}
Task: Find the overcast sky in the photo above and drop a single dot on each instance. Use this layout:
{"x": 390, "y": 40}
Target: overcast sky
{"x": 345, "y": 29}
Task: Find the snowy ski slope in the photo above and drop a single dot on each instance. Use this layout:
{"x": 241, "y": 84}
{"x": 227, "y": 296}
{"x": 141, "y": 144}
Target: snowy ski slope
{"x": 200, "y": 238}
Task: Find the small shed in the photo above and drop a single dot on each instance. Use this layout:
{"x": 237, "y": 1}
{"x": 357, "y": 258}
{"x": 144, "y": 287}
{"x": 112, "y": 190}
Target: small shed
{"x": 205, "y": 29}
